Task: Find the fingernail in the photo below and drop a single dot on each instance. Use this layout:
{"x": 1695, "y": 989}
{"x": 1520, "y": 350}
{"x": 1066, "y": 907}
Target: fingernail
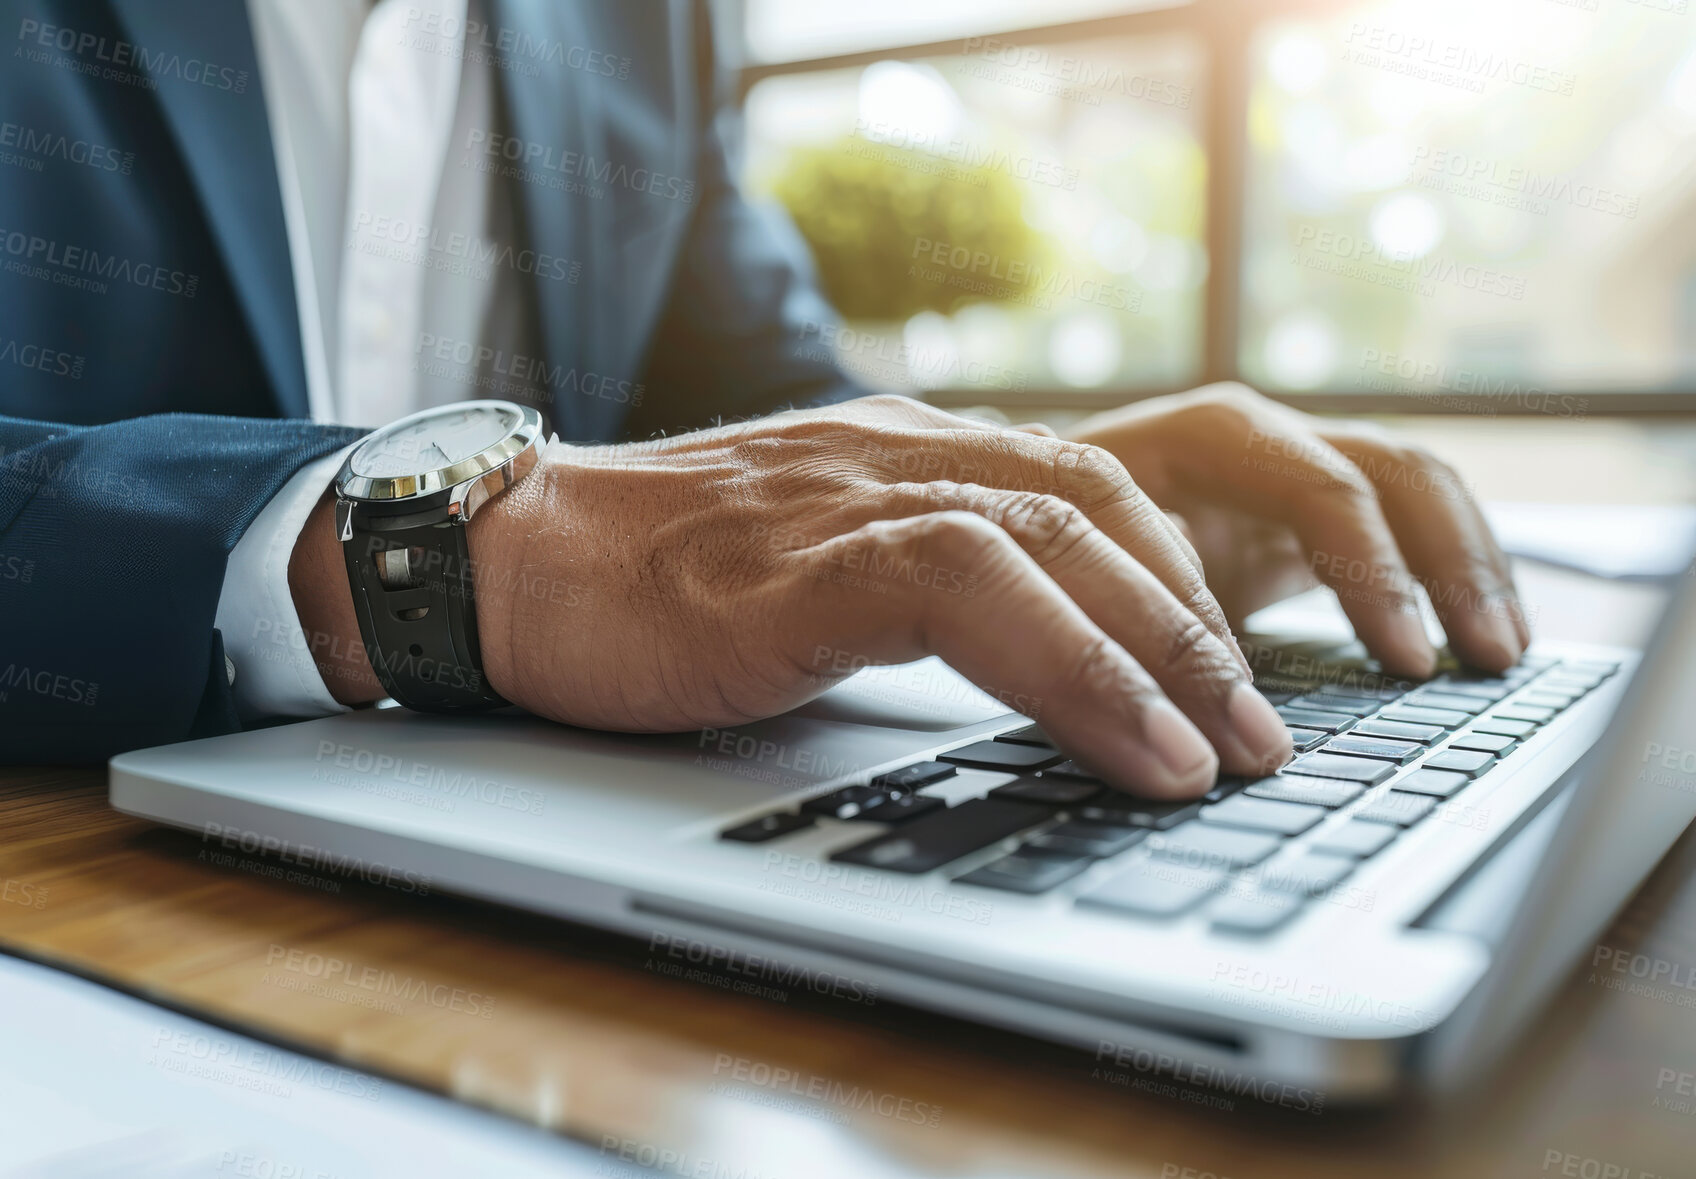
{"x": 1258, "y": 727}
{"x": 1176, "y": 742}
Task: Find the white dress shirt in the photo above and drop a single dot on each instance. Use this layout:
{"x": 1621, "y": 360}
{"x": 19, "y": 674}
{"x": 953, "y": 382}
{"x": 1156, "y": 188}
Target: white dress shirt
{"x": 369, "y": 107}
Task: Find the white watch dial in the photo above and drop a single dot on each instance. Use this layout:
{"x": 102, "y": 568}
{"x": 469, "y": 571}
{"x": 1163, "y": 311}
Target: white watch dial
{"x": 433, "y": 441}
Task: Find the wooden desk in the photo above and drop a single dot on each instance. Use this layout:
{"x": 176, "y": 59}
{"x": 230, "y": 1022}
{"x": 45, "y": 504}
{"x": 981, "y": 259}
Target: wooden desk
{"x": 585, "y": 1033}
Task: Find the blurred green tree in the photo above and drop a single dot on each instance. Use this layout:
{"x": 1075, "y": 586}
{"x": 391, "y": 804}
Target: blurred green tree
{"x": 869, "y": 211}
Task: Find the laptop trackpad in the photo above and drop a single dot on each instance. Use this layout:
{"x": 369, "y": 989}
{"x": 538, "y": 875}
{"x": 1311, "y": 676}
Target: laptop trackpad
{"x": 927, "y": 696}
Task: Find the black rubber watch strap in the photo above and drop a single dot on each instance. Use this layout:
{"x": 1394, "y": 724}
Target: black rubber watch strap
{"x": 420, "y": 630}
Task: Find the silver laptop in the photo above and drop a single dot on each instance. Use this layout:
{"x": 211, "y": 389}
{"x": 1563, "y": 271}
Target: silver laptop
{"x": 1388, "y": 909}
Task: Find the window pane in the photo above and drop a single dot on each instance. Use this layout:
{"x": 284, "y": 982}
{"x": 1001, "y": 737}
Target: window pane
{"x": 791, "y": 30}
{"x": 1001, "y": 221}
{"x": 1484, "y": 204}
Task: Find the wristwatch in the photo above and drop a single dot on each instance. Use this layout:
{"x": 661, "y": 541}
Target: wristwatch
{"x": 403, "y": 498}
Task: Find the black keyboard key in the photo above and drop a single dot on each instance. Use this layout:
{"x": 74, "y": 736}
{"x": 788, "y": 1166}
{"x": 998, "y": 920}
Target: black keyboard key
{"x": 1029, "y": 735}
{"x": 850, "y": 802}
{"x": 999, "y": 755}
{"x": 1307, "y": 718}
{"x": 1453, "y": 702}
{"x": 1524, "y": 712}
{"x": 1301, "y": 740}
{"x": 1396, "y": 730}
{"x": 1307, "y": 875}
{"x": 1224, "y": 788}
{"x": 767, "y": 827}
{"x": 942, "y": 836}
{"x": 1446, "y": 718}
{"x": 1354, "y": 706}
{"x": 1436, "y": 783}
{"x": 1355, "y": 839}
{"x": 912, "y": 777}
{"x": 1048, "y": 791}
{"x": 1326, "y": 792}
{"x": 1264, "y": 814}
{"x": 1276, "y": 698}
{"x": 1027, "y": 871}
{"x": 1397, "y": 809}
{"x": 1495, "y": 743}
{"x": 1256, "y": 913}
{"x": 1470, "y": 762}
{"x": 1334, "y": 765}
{"x": 1087, "y": 839}
{"x": 1151, "y": 888}
{"x": 902, "y": 807}
{"x": 1378, "y": 748}
{"x": 1125, "y": 810}
{"x": 1071, "y": 769}
{"x": 1203, "y": 845}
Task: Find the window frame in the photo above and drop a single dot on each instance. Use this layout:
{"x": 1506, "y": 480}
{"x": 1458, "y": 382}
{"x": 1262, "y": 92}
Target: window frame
{"x": 1225, "y": 30}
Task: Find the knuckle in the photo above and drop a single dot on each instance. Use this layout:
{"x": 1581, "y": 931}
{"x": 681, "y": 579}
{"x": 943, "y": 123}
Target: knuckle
{"x": 1091, "y": 477}
{"x": 1046, "y": 523}
{"x": 956, "y": 537}
{"x": 1187, "y": 646}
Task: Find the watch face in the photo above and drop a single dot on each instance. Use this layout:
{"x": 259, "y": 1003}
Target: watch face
{"x": 433, "y": 441}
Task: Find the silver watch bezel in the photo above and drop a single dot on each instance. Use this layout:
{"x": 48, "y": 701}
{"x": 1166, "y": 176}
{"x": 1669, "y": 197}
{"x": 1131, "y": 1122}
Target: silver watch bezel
{"x": 471, "y": 481}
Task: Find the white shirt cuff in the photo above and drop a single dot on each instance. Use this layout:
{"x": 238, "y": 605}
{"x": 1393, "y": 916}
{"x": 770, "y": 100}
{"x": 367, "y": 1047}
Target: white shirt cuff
{"x": 270, "y": 657}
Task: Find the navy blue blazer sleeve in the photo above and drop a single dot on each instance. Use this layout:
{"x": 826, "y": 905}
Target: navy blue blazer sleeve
{"x": 113, "y": 542}
{"x": 745, "y": 330}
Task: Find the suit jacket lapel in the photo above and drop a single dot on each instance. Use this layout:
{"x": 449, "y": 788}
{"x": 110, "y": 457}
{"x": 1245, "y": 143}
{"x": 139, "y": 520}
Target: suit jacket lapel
{"x": 550, "y": 107}
{"x": 224, "y": 138}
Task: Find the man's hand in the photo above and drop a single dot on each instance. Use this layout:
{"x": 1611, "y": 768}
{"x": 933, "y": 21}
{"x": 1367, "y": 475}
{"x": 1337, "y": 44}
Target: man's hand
{"x": 735, "y": 573}
{"x": 1276, "y": 501}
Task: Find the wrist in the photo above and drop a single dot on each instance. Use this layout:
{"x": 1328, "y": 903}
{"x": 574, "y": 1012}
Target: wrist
{"x": 324, "y": 601}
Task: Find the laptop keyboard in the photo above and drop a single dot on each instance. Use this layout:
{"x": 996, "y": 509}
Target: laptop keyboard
{"x": 1381, "y": 756}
